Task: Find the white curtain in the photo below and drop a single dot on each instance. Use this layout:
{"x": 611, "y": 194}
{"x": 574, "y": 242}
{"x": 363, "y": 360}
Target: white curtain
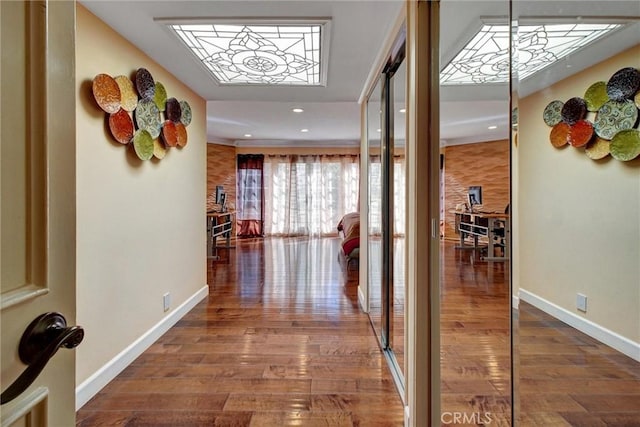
{"x": 308, "y": 195}
{"x": 399, "y": 196}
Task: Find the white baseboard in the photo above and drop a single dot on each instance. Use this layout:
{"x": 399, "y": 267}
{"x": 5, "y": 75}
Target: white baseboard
{"x": 600, "y": 333}
{"x": 92, "y": 385}
{"x": 515, "y": 302}
{"x": 362, "y": 300}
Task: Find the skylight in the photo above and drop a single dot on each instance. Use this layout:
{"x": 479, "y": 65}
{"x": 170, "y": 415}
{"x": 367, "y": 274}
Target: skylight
{"x": 485, "y": 59}
{"x": 258, "y": 53}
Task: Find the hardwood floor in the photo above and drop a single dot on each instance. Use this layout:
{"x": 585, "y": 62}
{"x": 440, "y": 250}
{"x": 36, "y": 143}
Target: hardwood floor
{"x": 279, "y": 342}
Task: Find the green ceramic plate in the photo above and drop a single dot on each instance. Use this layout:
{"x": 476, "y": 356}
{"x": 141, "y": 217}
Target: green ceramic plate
{"x": 613, "y": 117}
{"x": 148, "y": 117}
{"x": 596, "y": 96}
{"x": 143, "y": 144}
{"x": 160, "y": 96}
{"x": 625, "y": 145}
{"x": 185, "y": 114}
{"x": 552, "y": 114}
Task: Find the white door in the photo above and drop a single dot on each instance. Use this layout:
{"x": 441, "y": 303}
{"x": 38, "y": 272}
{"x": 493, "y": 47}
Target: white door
{"x": 37, "y": 208}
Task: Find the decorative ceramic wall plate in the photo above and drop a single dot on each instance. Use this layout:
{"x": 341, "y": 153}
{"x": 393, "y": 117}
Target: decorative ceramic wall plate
{"x": 552, "y": 113}
{"x": 596, "y": 96}
{"x": 615, "y": 116}
{"x": 173, "y": 111}
{"x": 121, "y": 126}
{"x": 185, "y": 113}
{"x": 637, "y": 99}
{"x": 160, "y": 96}
{"x": 148, "y": 117}
{"x": 169, "y": 133}
{"x": 144, "y": 84}
{"x": 625, "y": 145}
{"x": 598, "y": 148}
{"x": 143, "y": 144}
{"x": 159, "y": 150}
{"x": 581, "y": 133}
{"x": 128, "y": 94}
{"x": 181, "y": 132}
{"x": 106, "y": 93}
{"x": 560, "y": 134}
{"x": 573, "y": 110}
{"x": 623, "y": 84}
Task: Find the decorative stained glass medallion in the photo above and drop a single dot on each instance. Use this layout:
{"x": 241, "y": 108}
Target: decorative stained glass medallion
{"x": 485, "y": 58}
{"x": 263, "y": 53}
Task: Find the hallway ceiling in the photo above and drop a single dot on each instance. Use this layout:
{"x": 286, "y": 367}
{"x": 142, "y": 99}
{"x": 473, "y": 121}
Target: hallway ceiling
{"x": 358, "y": 29}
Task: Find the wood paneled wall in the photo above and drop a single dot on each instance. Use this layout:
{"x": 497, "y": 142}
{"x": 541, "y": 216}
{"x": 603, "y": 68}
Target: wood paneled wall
{"x": 483, "y": 163}
{"x": 221, "y": 170}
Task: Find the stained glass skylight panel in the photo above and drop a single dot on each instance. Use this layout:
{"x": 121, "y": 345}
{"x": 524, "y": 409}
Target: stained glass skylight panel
{"x": 485, "y": 59}
{"x": 260, "y": 54}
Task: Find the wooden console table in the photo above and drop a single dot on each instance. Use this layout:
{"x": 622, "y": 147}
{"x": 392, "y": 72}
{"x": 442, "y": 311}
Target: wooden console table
{"x": 219, "y": 224}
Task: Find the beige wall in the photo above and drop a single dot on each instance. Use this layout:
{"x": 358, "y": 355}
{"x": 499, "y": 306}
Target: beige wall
{"x": 485, "y": 164}
{"x": 140, "y": 225}
{"x": 579, "y": 219}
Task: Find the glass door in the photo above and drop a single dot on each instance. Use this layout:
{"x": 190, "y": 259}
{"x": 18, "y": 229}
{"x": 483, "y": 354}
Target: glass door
{"x": 387, "y": 200}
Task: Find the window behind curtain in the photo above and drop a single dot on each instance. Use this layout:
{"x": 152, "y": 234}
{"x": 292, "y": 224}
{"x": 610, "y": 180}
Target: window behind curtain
{"x": 308, "y": 195}
{"x": 250, "y": 199}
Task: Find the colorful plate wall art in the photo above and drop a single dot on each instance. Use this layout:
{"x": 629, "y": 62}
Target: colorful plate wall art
{"x": 573, "y": 110}
{"x": 144, "y": 84}
{"x": 148, "y": 117}
{"x": 623, "y": 84}
{"x": 559, "y": 136}
{"x": 552, "y": 114}
{"x": 121, "y": 126}
{"x": 615, "y": 116}
{"x": 181, "y": 132}
{"x": 127, "y": 92}
{"x": 134, "y": 108}
{"x": 160, "y": 96}
{"x": 173, "y": 110}
{"x": 596, "y": 96}
{"x": 185, "y": 113}
{"x": 106, "y": 93}
{"x": 580, "y": 133}
{"x": 625, "y": 145}
{"x": 143, "y": 144}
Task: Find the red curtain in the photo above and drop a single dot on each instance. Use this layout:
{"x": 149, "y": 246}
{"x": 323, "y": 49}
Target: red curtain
{"x": 250, "y": 198}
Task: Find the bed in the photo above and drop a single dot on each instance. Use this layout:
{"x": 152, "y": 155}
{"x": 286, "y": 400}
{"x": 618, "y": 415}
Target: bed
{"x": 349, "y": 231}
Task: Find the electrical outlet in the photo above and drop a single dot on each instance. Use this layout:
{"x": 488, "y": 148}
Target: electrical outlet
{"x": 166, "y": 301}
{"x": 581, "y": 303}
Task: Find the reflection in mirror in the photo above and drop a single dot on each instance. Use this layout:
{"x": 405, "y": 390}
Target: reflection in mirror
{"x": 374, "y": 131}
{"x": 475, "y": 262}
{"x": 577, "y": 213}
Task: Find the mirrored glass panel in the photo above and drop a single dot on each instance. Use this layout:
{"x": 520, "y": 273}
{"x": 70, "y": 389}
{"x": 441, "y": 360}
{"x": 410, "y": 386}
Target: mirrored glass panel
{"x": 576, "y": 200}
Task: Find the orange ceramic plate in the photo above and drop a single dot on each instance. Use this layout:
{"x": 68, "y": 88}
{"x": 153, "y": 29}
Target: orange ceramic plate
{"x": 121, "y": 126}
{"x": 560, "y": 134}
{"x": 107, "y": 93}
{"x": 169, "y": 133}
{"x": 580, "y": 133}
{"x": 182, "y": 134}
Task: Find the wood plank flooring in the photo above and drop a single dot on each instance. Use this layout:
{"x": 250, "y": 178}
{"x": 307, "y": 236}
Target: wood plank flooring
{"x": 281, "y": 342}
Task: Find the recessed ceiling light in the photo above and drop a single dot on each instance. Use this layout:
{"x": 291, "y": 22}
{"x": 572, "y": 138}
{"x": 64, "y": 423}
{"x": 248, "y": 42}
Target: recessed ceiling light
{"x": 297, "y": 110}
{"x": 304, "y": 130}
{"x": 492, "y": 127}
{"x": 485, "y": 58}
{"x": 403, "y": 110}
{"x": 247, "y": 135}
{"x": 258, "y": 52}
